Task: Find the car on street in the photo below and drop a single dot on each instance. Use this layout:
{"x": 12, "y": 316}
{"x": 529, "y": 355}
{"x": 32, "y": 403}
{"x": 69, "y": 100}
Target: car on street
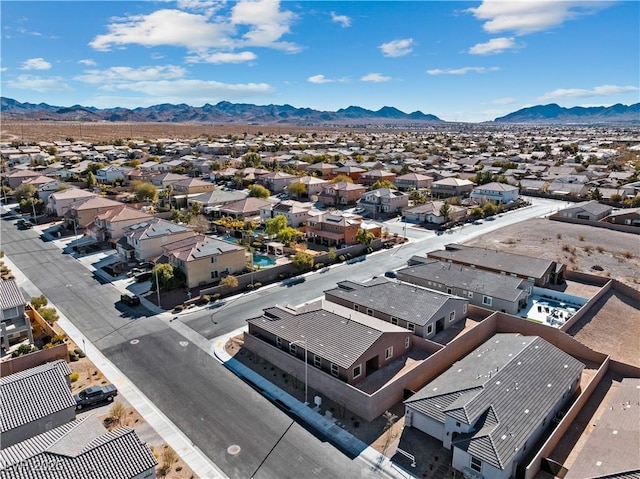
{"x": 24, "y": 225}
{"x": 130, "y": 299}
{"x": 390, "y": 274}
{"x": 144, "y": 276}
{"x": 95, "y": 395}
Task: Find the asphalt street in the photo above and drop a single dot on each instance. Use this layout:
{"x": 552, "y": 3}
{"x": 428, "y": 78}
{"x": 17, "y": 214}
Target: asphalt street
{"x": 205, "y": 400}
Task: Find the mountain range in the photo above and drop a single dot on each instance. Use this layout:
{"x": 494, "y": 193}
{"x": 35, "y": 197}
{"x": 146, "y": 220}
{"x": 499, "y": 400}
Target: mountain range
{"x": 243, "y": 113}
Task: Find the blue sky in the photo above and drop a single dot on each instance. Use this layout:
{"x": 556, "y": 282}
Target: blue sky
{"x": 461, "y": 61}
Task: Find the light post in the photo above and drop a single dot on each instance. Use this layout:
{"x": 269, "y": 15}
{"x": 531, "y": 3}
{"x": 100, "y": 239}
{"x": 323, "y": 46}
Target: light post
{"x": 306, "y": 366}
{"x": 155, "y": 270}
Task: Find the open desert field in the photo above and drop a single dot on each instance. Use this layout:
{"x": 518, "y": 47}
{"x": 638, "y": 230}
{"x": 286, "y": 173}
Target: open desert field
{"x": 107, "y": 132}
{"x": 580, "y": 247}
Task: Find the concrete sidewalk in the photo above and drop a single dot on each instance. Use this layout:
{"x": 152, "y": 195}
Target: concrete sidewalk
{"x": 327, "y": 427}
{"x": 169, "y": 432}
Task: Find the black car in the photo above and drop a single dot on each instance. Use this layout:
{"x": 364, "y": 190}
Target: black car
{"x": 130, "y": 299}
{"x": 25, "y": 225}
{"x": 144, "y": 276}
{"x": 95, "y": 395}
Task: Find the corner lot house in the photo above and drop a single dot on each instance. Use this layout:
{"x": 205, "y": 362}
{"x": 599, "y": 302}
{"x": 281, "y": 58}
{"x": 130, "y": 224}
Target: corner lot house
{"x": 144, "y": 241}
{"x": 629, "y": 217}
{"x": 204, "y": 259}
{"x": 15, "y": 326}
{"x": 492, "y": 406}
{"x": 59, "y": 202}
{"x": 432, "y": 213}
{"x": 587, "y": 210}
{"x": 422, "y": 311}
{"x": 448, "y": 187}
{"x": 498, "y": 193}
{"x": 383, "y": 202}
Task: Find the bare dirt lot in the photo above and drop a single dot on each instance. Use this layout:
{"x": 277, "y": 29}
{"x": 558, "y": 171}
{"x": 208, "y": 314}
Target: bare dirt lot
{"x": 36, "y": 131}
{"x": 580, "y": 247}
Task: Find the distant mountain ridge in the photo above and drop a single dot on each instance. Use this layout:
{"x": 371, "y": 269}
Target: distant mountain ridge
{"x": 222, "y": 112}
{"x": 553, "y": 113}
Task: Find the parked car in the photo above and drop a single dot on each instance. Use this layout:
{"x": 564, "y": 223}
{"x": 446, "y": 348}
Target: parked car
{"x": 25, "y": 225}
{"x": 145, "y": 276}
{"x": 390, "y": 274}
{"x": 95, "y": 395}
{"x": 130, "y": 299}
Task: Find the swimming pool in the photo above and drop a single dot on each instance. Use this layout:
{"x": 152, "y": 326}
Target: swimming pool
{"x": 263, "y": 261}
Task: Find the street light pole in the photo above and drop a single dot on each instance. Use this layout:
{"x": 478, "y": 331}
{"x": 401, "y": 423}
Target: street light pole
{"x": 155, "y": 270}
{"x": 306, "y": 366}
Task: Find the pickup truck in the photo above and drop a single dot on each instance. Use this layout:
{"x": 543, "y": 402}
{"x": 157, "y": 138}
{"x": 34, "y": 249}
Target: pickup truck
{"x": 94, "y": 395}
{"x": 130, "y": 299}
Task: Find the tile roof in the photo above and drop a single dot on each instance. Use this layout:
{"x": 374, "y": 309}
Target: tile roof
{"x": 34, "y": 393}
{"x": 335, "y": 333}
{"x": 593, "y": 207}
{"x": 81, "y": 448}
{"x": 494, "y": 186}
{"x": 246, "y": 205}
{"x": 504, "y": 388}
{"x": 198, "y": 247}
{"x": 401, "y": 300}
{"x": 10, "y": 294}
{"x": 153, "y": 228}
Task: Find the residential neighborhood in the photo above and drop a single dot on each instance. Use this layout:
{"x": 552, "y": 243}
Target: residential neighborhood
{"x": 327, "y": 278}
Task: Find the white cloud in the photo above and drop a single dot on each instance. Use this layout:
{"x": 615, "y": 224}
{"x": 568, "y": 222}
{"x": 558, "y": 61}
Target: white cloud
{"x": 375, "y": 78}
{"x": 343, "y": 20}
{"x": 397, "y": 48}
{"x": 319, "y": 79}
{"x": 39, "y": 84}
{"x": 222, "y": 57}
{"x": 87, "y": 62}
{"x": 495, "y": 45}
{"x": 461, "y": 71}
{"x": 35, "y": 64}
{"x": 129, "y": 74}
{"x": 267, "y": 23}
{"x": 504, "y": 101}
{"x": 602, "y": 90}
{"x": 180, "y": 90}
{"x": 524, "y": 17}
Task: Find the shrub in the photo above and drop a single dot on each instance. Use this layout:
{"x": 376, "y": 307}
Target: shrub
{"x": 216, "y": 296}
{"x": 73, "y": 357}
{"x": 79, "y": 352}
{"x": 50, "y": 315}
{"x": 581, "y": 238}
{"x": 600, "y": 249}
{"x": 178, "y": 308}
{"x": 257, "y": 285}
{"x": 58, "y": 339}
{"x": 206, "y": 298}
{"x": 341, "y": 258}
{"x": 250, "y": 286}
{"x": 627, "y": 255}
{"x": 73, "y": 377}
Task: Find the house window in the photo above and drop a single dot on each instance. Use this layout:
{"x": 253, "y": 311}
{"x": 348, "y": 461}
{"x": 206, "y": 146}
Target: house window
{"x": 214, "y": 259}
{"x": 334, "y": 370}
{"x": 449, "y": 291}
{"x": 356, "y": 307}
{"x": 452, "y": 316}
{"x": 407, "y": 342}
{"x": 430, "y": 329}
{"x": 487, "y": 300}
{"x": 411, "y": 327}
{"x": 470, "y": 294}
{"x": 214, "y": 274}
{"x": 279, "y": 342}
{"x": 464, "y": 308}
{"x": 476, "y": 464}
{"x": 394, "y": 320}
{"x": 388, "y": 353}
{"x": 357, "y": 371}
{"x": 369, "y": 312}
{"x": 317, "y": 361}
{"x": 293, "y": 349}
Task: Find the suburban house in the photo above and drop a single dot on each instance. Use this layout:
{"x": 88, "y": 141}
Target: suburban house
{"x": 295, "y": 212}
{"x": 432, "y": 213}
{"x": 353, "y": 172}
{"x": 204, "y": 259}
{"x": 15, "y": 325}
{"x": 276, "y": 181}
{"x": 487, "y": 289}
{"x": 110, "y": 225}
{"x": 422, "y": 311}
{"x": 341, "y": 193}
{"x": 539, "y": 270}
{"x": 83, "y": 212}
{"x": 35, "y": 401}
{"x": 312, "y": 184}
{"x": 322, "y": 170}
{"x": 248, "y": 208}
{"x": 332, "y": 229}
{"x": 111, "y": 173}
{"x": 45, "y": 185}
{"x": 17, "y": 177}
{"x": 59, "y": 202}
{"x": 587, "y": 210}
{"x": 449, "y": 187}
{"x": 383, "y": 202}
{"x": 340, "y": 342}
{"x": 629, "y": 217}
{"x": 413, "y": 181}
{"x": 144, "y": 241}
{"x": 368, "y": 178}
{"x": 575, "y": 186}
{"x": 492, "y": 407}
{"x": 165, "y": 179}
{"x": 212, "y": 199}
{"x": 192, "y": 186}
{"x": 498, "y": 193}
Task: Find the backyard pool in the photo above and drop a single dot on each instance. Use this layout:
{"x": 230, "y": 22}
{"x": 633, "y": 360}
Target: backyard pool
{"x": 263, "y": 261}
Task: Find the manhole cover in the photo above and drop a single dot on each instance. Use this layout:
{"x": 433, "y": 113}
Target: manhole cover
{"x": 184, "y": 344}
{"x": 233, "y": 450}
{"x": 134, "y": 341}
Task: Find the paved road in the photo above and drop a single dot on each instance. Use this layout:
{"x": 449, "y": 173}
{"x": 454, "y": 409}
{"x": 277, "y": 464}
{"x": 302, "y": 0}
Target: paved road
{"x": 198, "y": 394}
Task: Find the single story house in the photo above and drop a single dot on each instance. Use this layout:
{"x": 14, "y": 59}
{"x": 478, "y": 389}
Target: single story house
{"x": 587, "y": 210}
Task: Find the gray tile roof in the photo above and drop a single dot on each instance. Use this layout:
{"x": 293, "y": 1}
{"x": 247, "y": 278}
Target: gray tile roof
{"x": 504, "y": 388}
{"x": 80, "y": 449}
{"x": 10, "y": 294}
{"x": 592, "y": 207}
{"x": 333, "y": 332}
{"x": 492, "y": 284}
{"x": 33, "y": 394}
{"x": 153, "y": 228}
{"x": 486, "y": 258}
{"x": 401, "y": 300}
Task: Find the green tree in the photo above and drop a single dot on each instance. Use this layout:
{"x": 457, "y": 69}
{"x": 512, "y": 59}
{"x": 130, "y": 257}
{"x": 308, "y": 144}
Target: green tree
{"x": 483, "y": 177}
{"x": 364, "y": 237}
{"x": 635, "y": 201}
{"x": 383, "y": 184}
{"x": 144, "y": 191}
{"x": 258, "y": 191}
{"x": 332, "y": 254}
{"x": 616, "y": 198}
{"x": 341, "y": 178}
{"x": 38, "y": 302}
{"x": 199, "y": 224}
{"x": 302, "y": 260}
{"x": 489, "y": 209}
{"x": 229, "y": 282}
{"x": 445, "y": 211}
{"x": 50, "y": 315}
{"x": 93, "y": 167}
{"x": 476, "y": 212}
{"x": 288, "y": 235}
{"x": 251, "y": 160}
{"x": 297, "y": 189}
{"x": 25, "y": 191}
{"x": 596, "y": 194}
{"x": 163, "y": 273}
{"x": 91, "y": 179}
{"x": 274, "y": 225}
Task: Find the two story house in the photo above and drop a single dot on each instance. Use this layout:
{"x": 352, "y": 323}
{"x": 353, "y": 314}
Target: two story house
{"x": 332, "y": 229}
{"x": 144, "y": 241}
{"x": 15, "y": 325}
{"x": 276, "y": 181}
{"x": 370, "y": 177}
{"x": 415, "y": 181}
{"x": 383, "y": 203}
{"x": 110, "y": 225}
{"x": 341, "y": 194}
{"x": 296, "y": 212}
{"x": 450, "y": 187}
{"x": 498, "y": 193}
{"x": 59, "y": 202}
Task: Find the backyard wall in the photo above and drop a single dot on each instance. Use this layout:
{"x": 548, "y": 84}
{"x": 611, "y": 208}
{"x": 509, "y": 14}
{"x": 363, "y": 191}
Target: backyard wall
{"x": 31, "y": 360}
{"x": 597, "y": 224}
{"x": 583, "y": 310}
